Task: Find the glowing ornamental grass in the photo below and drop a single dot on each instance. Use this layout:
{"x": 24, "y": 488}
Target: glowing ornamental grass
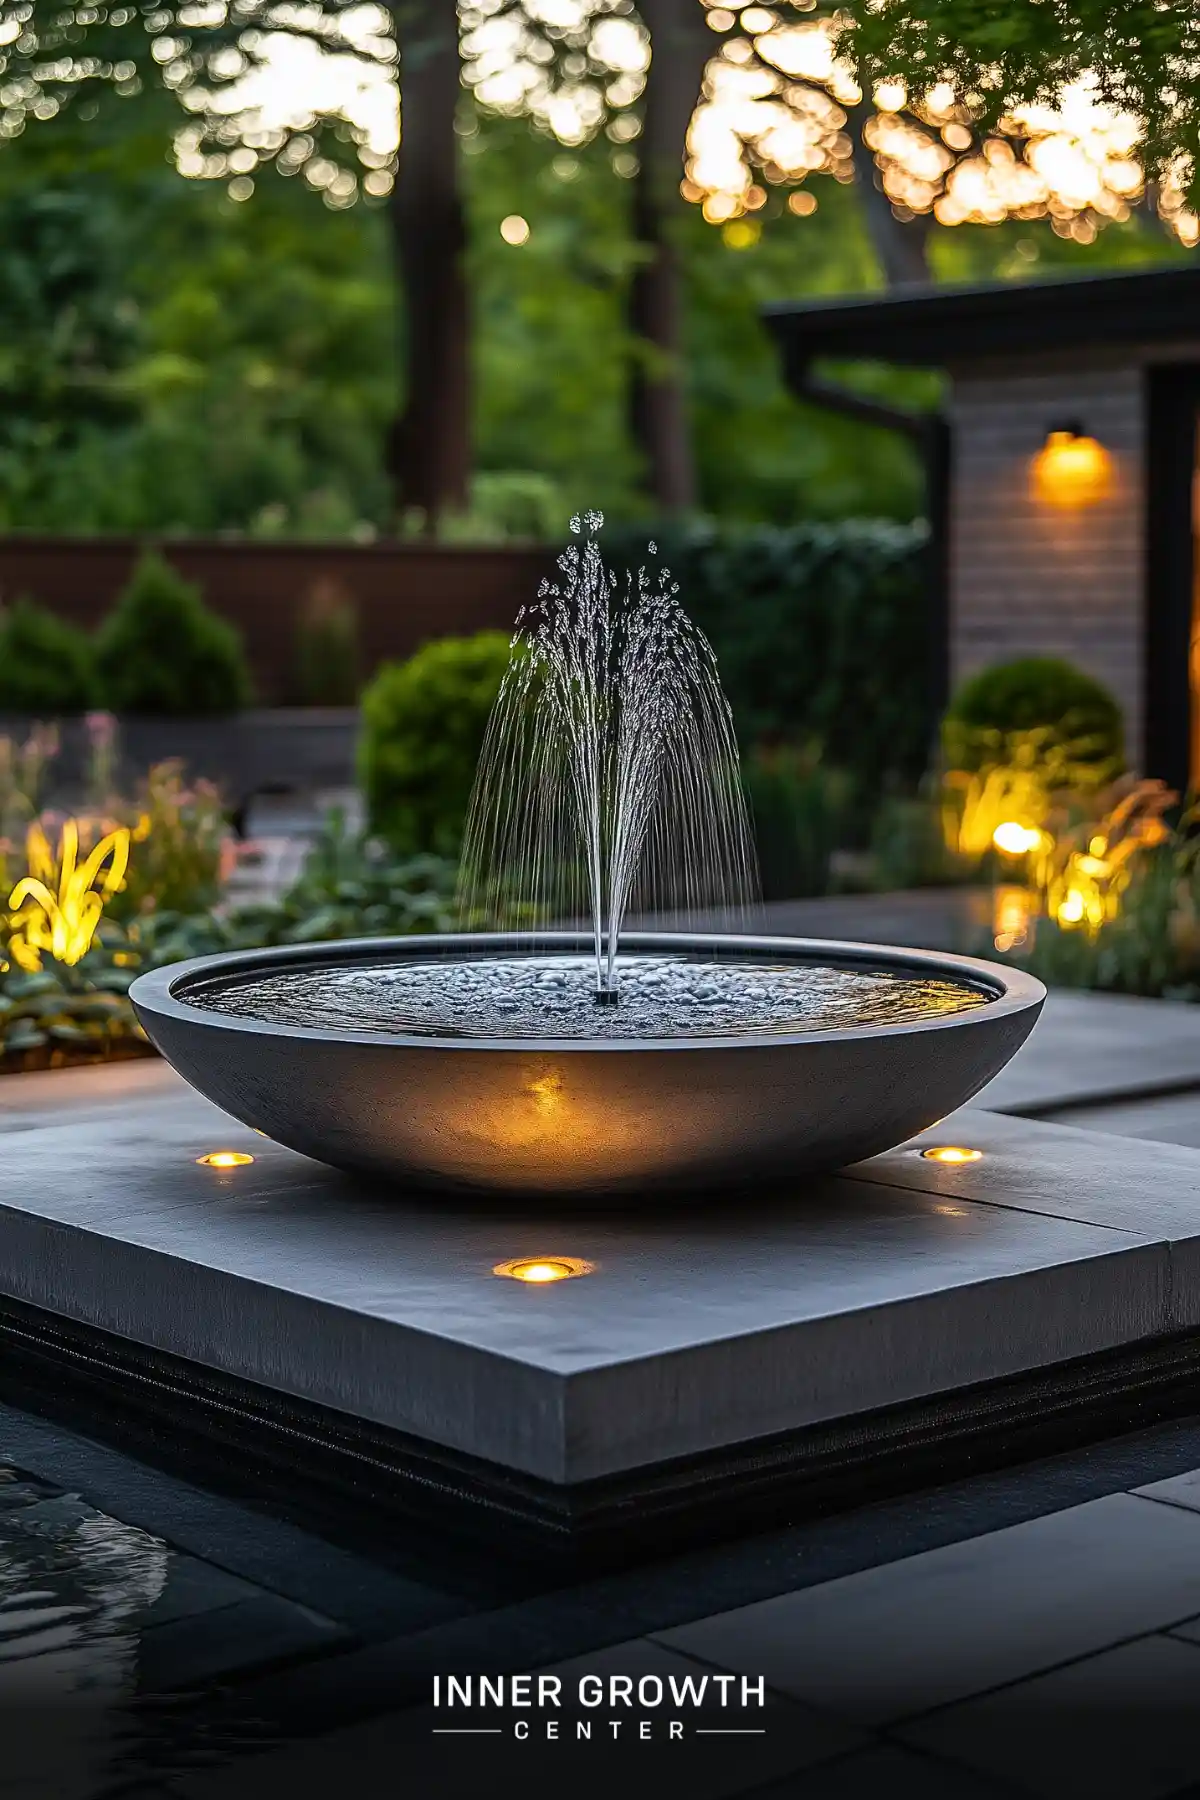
{"x": 609, "y": 774}
{"x": 57, "y": 906}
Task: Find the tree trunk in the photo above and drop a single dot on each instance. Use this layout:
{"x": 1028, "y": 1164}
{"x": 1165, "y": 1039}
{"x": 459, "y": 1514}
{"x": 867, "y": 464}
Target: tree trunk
{"x": 902, "y": 245}
{"x": 430, "y": 449}
{"x": 680, "y": 46}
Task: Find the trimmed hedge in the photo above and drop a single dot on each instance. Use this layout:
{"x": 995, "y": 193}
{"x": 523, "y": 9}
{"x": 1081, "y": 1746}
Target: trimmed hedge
{"x": 161, "y": 652}
{"x": 47, "y": 667}
{"x": 423, "y": 724}
{"x": 822, "y": 635}
{"x": 1033, "y": 693}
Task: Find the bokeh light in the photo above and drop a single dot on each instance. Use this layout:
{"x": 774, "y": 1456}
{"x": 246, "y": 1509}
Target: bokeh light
{"x": 315, "y": 91}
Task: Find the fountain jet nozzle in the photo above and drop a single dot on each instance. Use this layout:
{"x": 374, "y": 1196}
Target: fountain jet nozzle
{"x": 607, "y": 996}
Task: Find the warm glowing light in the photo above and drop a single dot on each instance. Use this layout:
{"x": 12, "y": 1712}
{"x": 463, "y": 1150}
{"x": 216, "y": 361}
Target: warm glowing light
{"x": 540, "y": 1269}
{"x": 546, "y": 1091}
{"x": 980, "y": 803}
{"x": 1087, "y": 892}
{"x": 1072, "y": 470}
{"x": 56, "y": 907}
{"x": 514, "y": 229}
{"x": 1016, "y": 839}
{"x": 951, "y": 1153}
{"x": 1086, "y": 874}
{"x": 226, "y": 1159}
{"x": 1013, "y": 913}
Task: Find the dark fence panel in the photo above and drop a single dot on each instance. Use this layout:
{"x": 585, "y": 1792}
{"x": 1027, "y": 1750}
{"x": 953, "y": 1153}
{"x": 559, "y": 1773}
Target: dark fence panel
{"x": 404, "y": 594}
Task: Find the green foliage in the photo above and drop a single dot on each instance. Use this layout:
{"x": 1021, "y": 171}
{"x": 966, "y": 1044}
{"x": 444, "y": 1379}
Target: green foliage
{"x": 61, "y": 1013}
{"x": 328, "y": 665}
{"x": 761, "y": 454}
{"x": 354, "y": 886}
{"x": 66, "y": 334}
{"x": 176, "y": 859}
{"x": 552, "y": 344}
{"x": 179, "y": 362}
{"x": 821, "y": 636}
{"x": 908, "y": 846}
{"x": 350, "y": 886}
{"x": 423, "y": 723}
{"x": 47, "y": 666}
{"x": 798, "y": 806}
{"x": 161, "y": 651}
{"x": 506, "y": 507}
{"x": 1077, "y": 717}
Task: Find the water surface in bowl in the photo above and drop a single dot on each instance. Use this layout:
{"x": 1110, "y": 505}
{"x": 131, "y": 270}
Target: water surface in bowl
{"x": 552, "y": 996}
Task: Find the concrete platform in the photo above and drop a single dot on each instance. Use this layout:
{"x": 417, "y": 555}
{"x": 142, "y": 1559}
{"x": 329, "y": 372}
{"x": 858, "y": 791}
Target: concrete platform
{"x": 712, "y": 1351}
{"x": 697, "y": 1330}
{"x": 899, "y": 1283}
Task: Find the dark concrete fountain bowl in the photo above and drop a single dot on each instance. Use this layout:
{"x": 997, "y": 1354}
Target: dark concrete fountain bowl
{"x": 572, "y": 1116}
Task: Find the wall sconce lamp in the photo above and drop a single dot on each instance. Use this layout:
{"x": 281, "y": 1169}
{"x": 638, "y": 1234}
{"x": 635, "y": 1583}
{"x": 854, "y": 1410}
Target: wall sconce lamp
{"x": 1072, "y": 469}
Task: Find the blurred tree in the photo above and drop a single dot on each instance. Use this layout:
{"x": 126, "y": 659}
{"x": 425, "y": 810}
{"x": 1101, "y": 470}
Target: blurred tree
{"x": 254, "y": 365}
{"x": 658, "y": 406}
{"x": 238, "y": 364}
{"x": 740, "y": 98}
{"x": 783, "y": 102}
{"x": 226, "y": 123}
{"x": 431, "y": 443}
{"x": 311, "y": 94}
{"x": 68, "y": 328}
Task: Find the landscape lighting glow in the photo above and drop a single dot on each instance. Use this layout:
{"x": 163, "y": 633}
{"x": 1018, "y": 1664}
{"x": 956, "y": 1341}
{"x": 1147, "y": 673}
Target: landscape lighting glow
{"x": 1016, "y": 839}
{"x": 541, "y": 1269}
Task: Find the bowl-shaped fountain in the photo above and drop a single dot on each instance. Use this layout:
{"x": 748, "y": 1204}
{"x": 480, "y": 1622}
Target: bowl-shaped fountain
{"x": 462, "y": 1062}
{"x": 598, "y": 1062}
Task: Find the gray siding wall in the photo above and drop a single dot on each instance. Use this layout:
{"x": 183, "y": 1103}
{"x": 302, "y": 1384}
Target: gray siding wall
{"x": 1028, "y": 578}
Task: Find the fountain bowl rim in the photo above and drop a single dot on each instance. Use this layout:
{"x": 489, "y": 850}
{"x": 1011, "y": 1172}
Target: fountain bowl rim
{"x": 157, "y": 992}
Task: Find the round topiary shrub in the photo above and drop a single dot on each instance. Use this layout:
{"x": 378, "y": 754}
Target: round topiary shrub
{"x": 423, "y": 723}
{"x": 47, "y": 666}
{"x": 1076, "y": 714}
{"x": 162, "y": 652}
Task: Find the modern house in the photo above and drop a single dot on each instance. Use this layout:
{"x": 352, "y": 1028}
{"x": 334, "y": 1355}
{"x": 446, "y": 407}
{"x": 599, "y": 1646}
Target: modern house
{"x": 1061, "y": 473}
